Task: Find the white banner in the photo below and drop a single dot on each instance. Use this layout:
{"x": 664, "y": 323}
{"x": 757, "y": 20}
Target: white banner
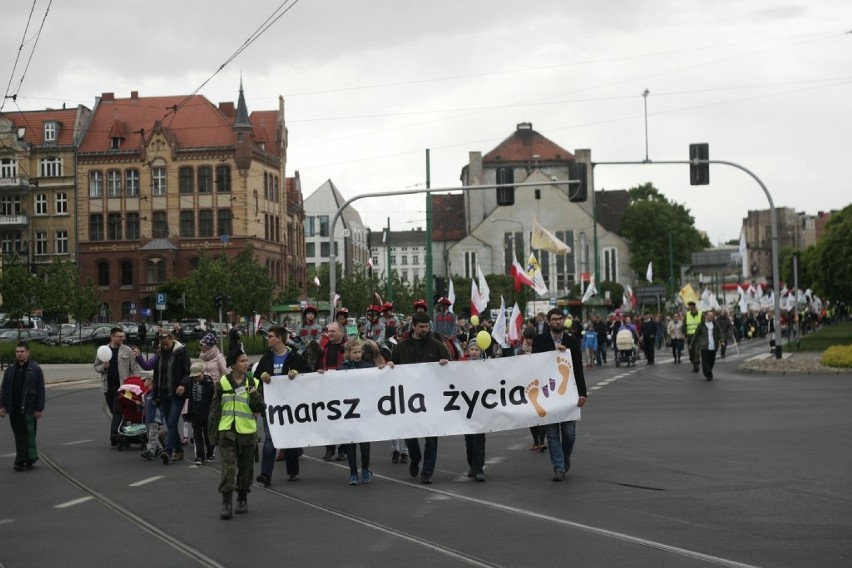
{"x": 426, "y": 399}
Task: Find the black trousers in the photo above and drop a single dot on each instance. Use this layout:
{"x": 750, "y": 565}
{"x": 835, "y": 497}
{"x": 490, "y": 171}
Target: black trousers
{"x": 475, "y": 446}
{"x": 200, "y": 437}
{"x": 708, "y": 359}
{"x": 353, "y": 459}
{"x": 24, "y": 430}
{"x": 649, "y": 346}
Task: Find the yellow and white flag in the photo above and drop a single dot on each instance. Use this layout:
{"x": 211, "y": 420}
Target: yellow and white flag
{"x": 543, "y": 239}
{"x": 534, "y": 272}
{"x": 687, "y": 294}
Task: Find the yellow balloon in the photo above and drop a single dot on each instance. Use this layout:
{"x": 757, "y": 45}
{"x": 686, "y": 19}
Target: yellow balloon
{"x": 474, "y": 320}
{"x": 483, "y": 339}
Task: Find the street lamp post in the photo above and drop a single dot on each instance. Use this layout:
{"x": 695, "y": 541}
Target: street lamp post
{"x": 523, "y": 232}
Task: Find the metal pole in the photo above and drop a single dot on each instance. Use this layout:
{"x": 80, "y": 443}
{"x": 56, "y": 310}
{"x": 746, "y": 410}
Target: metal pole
{"x": 389, "y": 289}
{"x": 332, "y": 268}
{"x": 645, "y": 96}
{"x": 429, "y": 283}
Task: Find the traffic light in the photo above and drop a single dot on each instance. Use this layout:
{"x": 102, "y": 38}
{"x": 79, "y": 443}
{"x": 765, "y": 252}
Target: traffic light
{"x": 217, "y": 301}
{"x": 505, "y": 195}
{"x": 578, "y": 192}
{"x": 699, "y": 174}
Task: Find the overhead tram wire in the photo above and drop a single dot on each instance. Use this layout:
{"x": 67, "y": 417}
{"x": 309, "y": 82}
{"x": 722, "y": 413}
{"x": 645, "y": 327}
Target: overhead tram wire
{"x": 32, "y": 51}
{"x": 17, "y": 57}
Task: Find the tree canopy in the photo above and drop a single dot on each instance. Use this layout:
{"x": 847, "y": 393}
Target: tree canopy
{"x": 832, "y": 269}
{"x": 649, "y": 222}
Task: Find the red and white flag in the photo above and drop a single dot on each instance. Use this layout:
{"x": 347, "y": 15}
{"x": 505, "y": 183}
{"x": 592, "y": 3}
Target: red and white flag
{"x": 520, "y": 275}
{"x": 516, "y": 322}
{"x": 475, "y": 299}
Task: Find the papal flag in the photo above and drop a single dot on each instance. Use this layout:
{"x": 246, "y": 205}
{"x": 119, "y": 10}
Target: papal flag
{"x": 545, "y": 240}
{"x": 687, "y": 294}
{"x": 534, "y": 272}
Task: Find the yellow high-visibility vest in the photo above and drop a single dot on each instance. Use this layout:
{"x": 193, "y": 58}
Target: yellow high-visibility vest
{"x": 235, "y": 409}
{"x": 692, "y": 322}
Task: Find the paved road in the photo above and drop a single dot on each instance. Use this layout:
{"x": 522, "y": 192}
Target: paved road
{"x": 669, "y": 470}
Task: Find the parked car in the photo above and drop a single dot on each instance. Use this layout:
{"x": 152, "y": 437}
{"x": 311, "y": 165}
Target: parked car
{"x": 131, "y": 330}
{"x": 193, "y": 328}
{"x": 15, "y": 335}
{"x": 89, "y": 335}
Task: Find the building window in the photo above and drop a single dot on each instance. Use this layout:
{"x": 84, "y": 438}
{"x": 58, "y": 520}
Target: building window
{"x": 205, "y": 179}
{"x": 325, "y": 249}
{"x": 96, "y": 184}
{"x": 158, "y": 181}
{"x": 310, "y": 226}
{"x": 51, "y": 167}
{"x": 114, "y": 183}
{"x": 50, "y": 131}
{"x": 224, "y": 223}
{"x": 125, "y": 269}
{"x": 131, "y": 180}
{"x": 187, "y": 224}
{"x": 223, "y": 179}
{"x": 41, "y": 204}
{"x": 126, "y": 311}
{"x": 310, "y": 250}
{"x": 205, "y": 223}
{"x": 10, "y": 205}
{"x": 114, "y": 227}
{"x": 155, "y": 271}
{"x": 375, "y": 260}
{"x": 393, "y": 260}
{"x": 41, "y": 242}
{"x": 276, "y": 196}
{"x": 160, "y": 225}
{"x": 132, "y": 227}
{"x": 470, "y": 264}
{"x": 185, "y": 179}
{"x": 415, "y": 259}
{"x": 103, "y": 273}
{"x": 610, "y": 264}
{"x": 96, "y": 227}
{"x": 11, "y": 242}
{"x": 62, "y": 203}
{"x": 323, "y": 222}
{"x": 8, "y": 168}
{"x": 404, "y": 259}
{"x": 405, "y": 276}
{"x": 61, "y": 242}
{"x": 266, "y": 191}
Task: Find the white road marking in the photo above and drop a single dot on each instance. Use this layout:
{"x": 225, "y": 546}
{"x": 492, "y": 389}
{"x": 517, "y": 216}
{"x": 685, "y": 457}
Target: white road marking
{"x": 495, "y": 460}
{"x": 513, "y": 447}
{"x": 72, "y": 503}
{"x": 146, "y": 481}
{"x": 76, "y": 442}
{"x": 7, "y": 521}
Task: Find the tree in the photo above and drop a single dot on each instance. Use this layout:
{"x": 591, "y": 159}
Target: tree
{"x": 648, "y": 223}
{"x": 833, "y": 270}
{"x": 86, "y": 302}
{"x": 57, "y": 294}
{"x": 21, "y": 291}
{"x": 249, "y": 285}
{"x": 209, "y": 278}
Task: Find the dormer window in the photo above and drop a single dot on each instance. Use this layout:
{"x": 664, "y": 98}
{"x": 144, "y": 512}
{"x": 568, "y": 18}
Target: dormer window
{"x": 51, "y": 131}
{"x": 115, "y": 143}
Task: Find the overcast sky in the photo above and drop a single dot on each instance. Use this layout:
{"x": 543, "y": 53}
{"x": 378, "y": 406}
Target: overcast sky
{"x": 370, "y": 85}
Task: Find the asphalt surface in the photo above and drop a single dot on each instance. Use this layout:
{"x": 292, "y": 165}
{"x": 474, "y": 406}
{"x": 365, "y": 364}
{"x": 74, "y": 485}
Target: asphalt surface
{"x": 669, "y": 471}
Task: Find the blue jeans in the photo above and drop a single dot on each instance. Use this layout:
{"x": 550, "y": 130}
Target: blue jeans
{"x": 431, "y": 453}
{"x": 560, "y": 449}
{"x": 172, "y": 407}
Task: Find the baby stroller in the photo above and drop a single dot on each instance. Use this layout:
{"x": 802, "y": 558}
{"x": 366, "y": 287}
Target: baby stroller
{"x": 625, "y": 348}
{"x": 132, "y": 429}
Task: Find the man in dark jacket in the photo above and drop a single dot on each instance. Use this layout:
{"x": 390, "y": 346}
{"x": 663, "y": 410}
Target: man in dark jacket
{"x": 279, "y": 360}
{"x": 561, "y": 436}
{"x": 648, "y": 332}
{"x": 171, "y": 385}
{"x": 421, "y": 347}
{"x": 22, "y": 398}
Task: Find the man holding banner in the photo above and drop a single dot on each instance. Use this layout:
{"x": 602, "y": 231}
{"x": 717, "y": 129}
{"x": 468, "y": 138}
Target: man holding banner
{"x": 421, "y": 347}
{"x": 561, "y": 435}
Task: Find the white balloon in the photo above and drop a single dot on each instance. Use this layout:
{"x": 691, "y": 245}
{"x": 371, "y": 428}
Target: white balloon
{"x": 104, "y": 353}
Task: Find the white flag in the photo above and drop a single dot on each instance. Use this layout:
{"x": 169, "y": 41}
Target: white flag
{"x": 498, "y": 332}
{"x": 649, "y": 274}
{"x": 451, "y": 295}
{"x": 744, "y": 253}
{"x": 316, "y": 281}
{"x": 590, "y": 291}
{"x": 484, "y": 291}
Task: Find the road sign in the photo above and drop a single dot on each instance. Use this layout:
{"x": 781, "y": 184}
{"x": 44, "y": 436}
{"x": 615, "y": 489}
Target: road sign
{"x": 132, "y": 305}
{"x": 145, "y": 312}
{"x": 161, "y": 298}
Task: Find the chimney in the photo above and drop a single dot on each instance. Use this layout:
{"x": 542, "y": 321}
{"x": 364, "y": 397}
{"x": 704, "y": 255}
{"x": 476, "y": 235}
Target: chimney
{"x": 107, "y": 97}
{"x": 227, "y": 109}
{"x": 134, "y": 95}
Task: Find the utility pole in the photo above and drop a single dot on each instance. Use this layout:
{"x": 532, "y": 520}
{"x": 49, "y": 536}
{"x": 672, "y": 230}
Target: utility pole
{"x": 429, "y": 283}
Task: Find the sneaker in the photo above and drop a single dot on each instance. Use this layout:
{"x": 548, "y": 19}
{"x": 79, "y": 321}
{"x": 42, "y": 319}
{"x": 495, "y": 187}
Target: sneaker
{"x": 366, "y": 476}
{"x": 353, "y": 479}
{"x": 414, "y": 468}
{"x": 395, "y": 457}
{"x": 329, "y": 455}
{"x": 480, "y": 477}
{"x": 293, "y": 477}
{"x": 403, "y": 458}
{"x": 264, "y": 480}
{"x": 341, "y": 456}
{"x": 165, "y": 457}
{"x": 178, "y": 456}
{"x": 210, "y": 457}
{"x": 148, "y": 455}
{"x": 426, "y": 479}
{"x": 558, "y": 474}
{"x": 471, "y": 473}
{"x": 198, "y": 461}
